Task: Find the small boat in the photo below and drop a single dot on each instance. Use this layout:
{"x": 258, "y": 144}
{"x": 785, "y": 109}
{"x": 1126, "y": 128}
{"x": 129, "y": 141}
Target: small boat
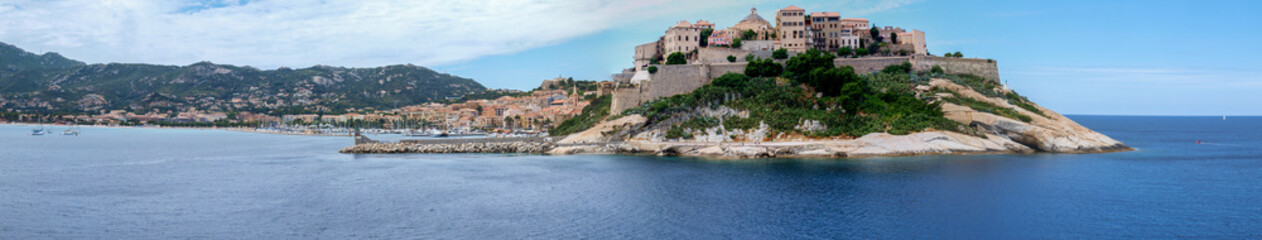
{"x": 70, "y": 132}
{"x": 39, "y": 131}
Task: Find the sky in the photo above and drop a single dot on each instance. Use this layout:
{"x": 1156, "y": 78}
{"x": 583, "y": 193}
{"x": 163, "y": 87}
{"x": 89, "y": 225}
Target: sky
{"x": 1075, "y": 57}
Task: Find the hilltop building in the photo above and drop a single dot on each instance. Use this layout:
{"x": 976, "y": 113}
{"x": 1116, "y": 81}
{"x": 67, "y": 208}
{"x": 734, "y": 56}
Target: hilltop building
{"x": 684, "y": 37}
{"x": 826, "y": 27}
{"x": 791, "y": 27}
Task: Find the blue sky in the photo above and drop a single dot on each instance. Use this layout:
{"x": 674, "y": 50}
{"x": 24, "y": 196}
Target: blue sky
{"x": 1076, "y": 57}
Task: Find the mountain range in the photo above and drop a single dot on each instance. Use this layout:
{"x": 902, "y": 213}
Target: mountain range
{"x": 49, "y": 82}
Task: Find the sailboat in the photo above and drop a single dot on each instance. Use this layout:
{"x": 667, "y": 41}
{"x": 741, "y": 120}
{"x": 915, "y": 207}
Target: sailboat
{"x": 39, "y": 131}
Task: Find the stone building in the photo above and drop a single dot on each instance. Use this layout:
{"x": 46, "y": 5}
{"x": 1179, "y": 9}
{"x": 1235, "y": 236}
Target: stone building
{"x": 916, "y": 38}
{"x": 683, "y": 37}
{"x": 646, "y": 53}
{"x": 852, "y": 30}
{"x": 826, "y": 28}
{"x": 792, "y": 29}
{"x": 703, "y": 24}
{"x": 755, "y": 23}
{"x": 888, "y": 31}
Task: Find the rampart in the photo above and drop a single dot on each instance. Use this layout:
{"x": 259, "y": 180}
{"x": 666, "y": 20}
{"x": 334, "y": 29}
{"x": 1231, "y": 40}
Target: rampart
{"x": 672, "y": 80}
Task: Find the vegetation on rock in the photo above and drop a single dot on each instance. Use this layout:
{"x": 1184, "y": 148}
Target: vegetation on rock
{"x": 592, "y": 114}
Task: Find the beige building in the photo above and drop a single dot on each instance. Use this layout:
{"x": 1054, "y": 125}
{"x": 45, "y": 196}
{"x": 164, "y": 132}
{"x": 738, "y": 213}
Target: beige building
{"x": 683, "y": 37}
{"x": 826, "y": 29}
{"x": 916, "y": 38}
{"x": 888, "y": 31}
{"x": 646, "y": 53}
{"x": 792, "y": 29}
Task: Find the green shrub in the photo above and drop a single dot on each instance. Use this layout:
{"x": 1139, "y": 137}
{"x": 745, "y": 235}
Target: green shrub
{"x": 845, "y": 51}
{"x": 936, "y": 69}
{"x": 898, "y": 68}
{"x": 763, "y": 68}
{"x": 677, "y": 133}
{"x": 676, "y": 58}
{"x": 652, "y": 69}
{"x": 736, "y": 43}
{"x": 780, "y": 54}
{"x": 731, "y": 58}
{"x": 861, "y": 52}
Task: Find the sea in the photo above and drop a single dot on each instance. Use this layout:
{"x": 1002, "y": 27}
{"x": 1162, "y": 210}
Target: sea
{"x": 145, "y": 183}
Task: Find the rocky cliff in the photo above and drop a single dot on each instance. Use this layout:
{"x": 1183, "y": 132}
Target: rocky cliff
{"x": 984, "y": 132}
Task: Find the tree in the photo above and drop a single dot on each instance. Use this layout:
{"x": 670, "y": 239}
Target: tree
{"x": 749, "y": 35}
{"x": 861, "y": 52}
{"x": 736, "y": 43}
{"x": 705, "y": 36}
{"x": 731, "y": 58}
{"x": 780, "y": 54}
{"x": 676, "y": 58}
{"x": 845, "y": 51}
{"x": 958, "y": 54}
{"x": 830, "y": 81}
{"x": 874, "y": 48}
{"x": 875, "y": 33}
{"x": 763, "y": 68}
{"x": 894, "y": 38}
{"x": 652, "y": 69}
{"x": 749, "y": 57}
{"x": 798, "y": 67}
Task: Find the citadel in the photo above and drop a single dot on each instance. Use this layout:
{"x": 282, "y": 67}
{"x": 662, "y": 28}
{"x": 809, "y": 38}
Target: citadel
{"x": 709, "y": 52}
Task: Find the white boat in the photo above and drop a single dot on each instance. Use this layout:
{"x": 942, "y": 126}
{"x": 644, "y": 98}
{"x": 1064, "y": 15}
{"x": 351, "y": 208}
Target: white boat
{"x": 70, "y": 132}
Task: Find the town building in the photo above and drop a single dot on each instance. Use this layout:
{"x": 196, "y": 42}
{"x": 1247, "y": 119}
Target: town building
{"x": 826, "y": 29}
{"x": 792, "y": 29}
{"x": 916, "y": 38}
{"x": 647, "y": 53}
{"x": 683, "y": 37}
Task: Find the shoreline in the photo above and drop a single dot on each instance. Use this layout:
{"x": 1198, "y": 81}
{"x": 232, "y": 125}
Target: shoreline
{"x": 880, "y": 145}
{"x": 231, "y": 129}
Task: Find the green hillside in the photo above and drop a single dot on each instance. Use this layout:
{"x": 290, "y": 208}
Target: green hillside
{"x": 50, "y": 82}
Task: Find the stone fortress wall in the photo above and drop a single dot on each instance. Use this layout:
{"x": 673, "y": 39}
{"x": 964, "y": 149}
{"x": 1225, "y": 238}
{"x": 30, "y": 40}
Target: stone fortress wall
{"x": 673, "y": 80}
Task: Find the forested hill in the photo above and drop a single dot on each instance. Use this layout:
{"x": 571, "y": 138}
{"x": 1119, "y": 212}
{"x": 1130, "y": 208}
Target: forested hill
{"x": 50, "y": 82}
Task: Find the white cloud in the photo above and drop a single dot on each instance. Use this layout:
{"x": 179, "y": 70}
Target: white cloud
{"x": 304, "y": 32}
{"x": 299, "y": 33}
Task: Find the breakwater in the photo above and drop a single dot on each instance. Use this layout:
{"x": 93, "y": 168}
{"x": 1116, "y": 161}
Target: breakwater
{"x": 535, "y": 145}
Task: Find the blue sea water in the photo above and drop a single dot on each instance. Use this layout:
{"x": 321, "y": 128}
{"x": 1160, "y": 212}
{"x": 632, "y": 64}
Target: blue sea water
{"x": 127, "y": 183}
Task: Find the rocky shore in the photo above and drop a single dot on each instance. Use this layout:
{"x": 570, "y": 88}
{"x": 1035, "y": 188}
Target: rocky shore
{"x": 535, "y": 147}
